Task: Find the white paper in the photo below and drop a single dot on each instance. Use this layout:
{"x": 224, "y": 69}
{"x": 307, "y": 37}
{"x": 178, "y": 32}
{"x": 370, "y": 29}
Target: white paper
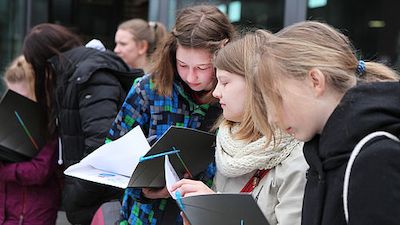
{"x": 113, "y": 163}
{"x": 171, "y": 177}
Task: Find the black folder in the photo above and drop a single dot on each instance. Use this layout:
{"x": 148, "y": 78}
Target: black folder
{"x": 196, "y": 148}
{"x": 15, "y": 143}
{"x": 222, "y": 209}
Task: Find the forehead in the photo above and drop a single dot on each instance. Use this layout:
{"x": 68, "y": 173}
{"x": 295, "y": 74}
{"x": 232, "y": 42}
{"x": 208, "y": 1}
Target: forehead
{"x": 193, "y": 56}
{"x": 225, "y": 74}
{"x": 123, "y": 34}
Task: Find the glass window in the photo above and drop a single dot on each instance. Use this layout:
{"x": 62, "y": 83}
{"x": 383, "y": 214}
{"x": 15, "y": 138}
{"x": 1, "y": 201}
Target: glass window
{"x": 267, "y": 14}
{"x": 373, "y": 26}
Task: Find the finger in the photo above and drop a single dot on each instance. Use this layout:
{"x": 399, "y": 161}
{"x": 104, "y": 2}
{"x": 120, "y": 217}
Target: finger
{"x": 180, "y": 183}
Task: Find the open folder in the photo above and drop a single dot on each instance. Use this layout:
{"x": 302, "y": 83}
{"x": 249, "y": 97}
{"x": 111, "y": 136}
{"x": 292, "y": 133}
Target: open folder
{"x": 114, "y": 162}
{"x": 195, "y": 148}
{"x": 21, "y": 130}
{"x": 222, "y": 209}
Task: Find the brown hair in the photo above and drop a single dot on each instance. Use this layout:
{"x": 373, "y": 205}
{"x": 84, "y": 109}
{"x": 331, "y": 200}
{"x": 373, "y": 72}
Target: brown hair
{"x": 240, "y": 57}
{"x": 41, "y": 43}
{"x": 199, "y": 27}
{"x": 20, "y": 71}
{"x": 151, "y": 32}
{"x": 297, "y": 49}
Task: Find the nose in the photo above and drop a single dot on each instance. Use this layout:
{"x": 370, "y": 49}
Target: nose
{"x": 216, "y": 93}
{"x": 191, "y": 76}
{"x": 116, "y": 49}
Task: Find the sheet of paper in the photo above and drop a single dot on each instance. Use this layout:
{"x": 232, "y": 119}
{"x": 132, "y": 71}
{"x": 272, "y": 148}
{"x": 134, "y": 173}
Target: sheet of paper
{"x": 112, "y": 163}
{"x": 171, "y": 177}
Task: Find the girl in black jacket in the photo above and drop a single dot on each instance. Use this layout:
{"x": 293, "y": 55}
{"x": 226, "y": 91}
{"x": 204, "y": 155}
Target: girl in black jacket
{"x": 317, "y": 91}
{"x": 81, "y": 89}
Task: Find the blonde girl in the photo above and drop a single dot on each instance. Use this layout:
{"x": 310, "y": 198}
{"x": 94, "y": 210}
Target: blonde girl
{"x": 136, "y": 40}
{"x": 274, "y": 168}
{"x": 314, "y": 88}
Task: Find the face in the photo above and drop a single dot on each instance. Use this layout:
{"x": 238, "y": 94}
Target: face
{"x": 127, "y": 48}
{"x": 231, "y": 93}
{"x": 302, "y": 113}
{"x": 195, "y": 68}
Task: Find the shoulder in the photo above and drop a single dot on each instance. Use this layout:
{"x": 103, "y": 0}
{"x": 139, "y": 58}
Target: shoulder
{"x": 381, "y": 150}
{"x": 295, "y": 162}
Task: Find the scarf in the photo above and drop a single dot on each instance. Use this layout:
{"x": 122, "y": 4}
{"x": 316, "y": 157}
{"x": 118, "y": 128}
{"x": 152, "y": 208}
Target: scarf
{"x": 237, "y": 157}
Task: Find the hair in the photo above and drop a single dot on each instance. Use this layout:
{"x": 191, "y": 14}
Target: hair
{"x": 239, "y": 57}
{"x": 198, "y": 27}
{"x": 20, "y": 71}
{"x": 42, "y": 43}
{"x": 297, "y": 49}
{"x": 151, "y": 32}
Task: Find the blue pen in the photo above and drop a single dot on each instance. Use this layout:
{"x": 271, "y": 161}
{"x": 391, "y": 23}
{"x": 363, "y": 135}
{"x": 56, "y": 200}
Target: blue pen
{"x": 144, "y": 158}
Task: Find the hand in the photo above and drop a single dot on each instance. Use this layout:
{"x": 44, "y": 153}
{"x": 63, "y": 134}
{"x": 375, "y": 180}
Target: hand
{"x": 155, "y": 193}
{"x": 191, "y": 187}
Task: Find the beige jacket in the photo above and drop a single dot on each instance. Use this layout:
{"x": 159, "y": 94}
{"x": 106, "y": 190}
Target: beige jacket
{"x": 279, "y": 194}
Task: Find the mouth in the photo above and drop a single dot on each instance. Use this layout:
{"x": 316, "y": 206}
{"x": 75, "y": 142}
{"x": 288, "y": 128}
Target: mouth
{"x": 193, "y": 84}
{"x": 290, "y": 131}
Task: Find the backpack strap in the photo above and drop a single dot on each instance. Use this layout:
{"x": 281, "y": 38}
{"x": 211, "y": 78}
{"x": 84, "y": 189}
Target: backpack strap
{"x": 353, "y": 156}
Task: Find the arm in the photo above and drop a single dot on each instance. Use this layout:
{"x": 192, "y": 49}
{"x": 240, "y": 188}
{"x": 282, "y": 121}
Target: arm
{"x": 374, "y": 184}
{"x": 135, "y": 111}
{"x": 33, "y": 172}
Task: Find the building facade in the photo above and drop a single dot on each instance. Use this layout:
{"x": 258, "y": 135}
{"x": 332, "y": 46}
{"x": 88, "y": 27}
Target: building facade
{"x": 373, "y": 26}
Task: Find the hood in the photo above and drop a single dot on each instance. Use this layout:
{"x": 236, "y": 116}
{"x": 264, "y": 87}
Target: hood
{"x": 364, "y": 109}
{"x": 80, "y": 63}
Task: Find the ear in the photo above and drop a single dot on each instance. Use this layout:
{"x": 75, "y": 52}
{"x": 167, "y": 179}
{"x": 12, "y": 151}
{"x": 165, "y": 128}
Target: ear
{"x": 143, "y": 46}
{"x": 318, "y": 81}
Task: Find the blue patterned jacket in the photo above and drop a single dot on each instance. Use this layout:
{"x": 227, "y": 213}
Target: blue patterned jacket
{"x": 155, "y": 114}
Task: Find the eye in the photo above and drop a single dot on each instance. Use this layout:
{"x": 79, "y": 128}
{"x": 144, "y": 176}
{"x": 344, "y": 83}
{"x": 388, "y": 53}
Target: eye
{"x": 182, "y": 65}
{"x": 203, "y": 67}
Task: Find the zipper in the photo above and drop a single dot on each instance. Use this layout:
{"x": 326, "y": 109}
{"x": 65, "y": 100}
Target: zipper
{"x": 21, "y": 216}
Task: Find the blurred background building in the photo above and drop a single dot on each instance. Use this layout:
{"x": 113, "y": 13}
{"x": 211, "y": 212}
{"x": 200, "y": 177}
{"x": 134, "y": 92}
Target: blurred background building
{"x": 373, "y": 26}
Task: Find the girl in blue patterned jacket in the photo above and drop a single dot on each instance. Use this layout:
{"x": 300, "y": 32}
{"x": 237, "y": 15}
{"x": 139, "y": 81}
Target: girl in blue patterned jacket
{"x": 178, "y": 92}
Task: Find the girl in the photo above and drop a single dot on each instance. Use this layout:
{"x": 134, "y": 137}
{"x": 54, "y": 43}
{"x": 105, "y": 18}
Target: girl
{"x": 178, "y": 92}
{"x": 243, "y": 155}
{"x": 30, "y": 191}
{"x": 136, "y": 40}
{"x": 317, "y": 91}
{"x": 81, "y": 90}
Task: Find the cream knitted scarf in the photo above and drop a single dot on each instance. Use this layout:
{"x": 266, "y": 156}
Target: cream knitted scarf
{"x": 236, "y": 157}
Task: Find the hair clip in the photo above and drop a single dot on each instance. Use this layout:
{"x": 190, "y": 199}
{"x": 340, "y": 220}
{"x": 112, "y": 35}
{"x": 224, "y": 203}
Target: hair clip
{"x": 360, "y": 67}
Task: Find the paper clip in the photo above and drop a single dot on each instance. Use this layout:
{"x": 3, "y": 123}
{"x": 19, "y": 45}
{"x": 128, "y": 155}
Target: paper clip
{"x": 144, "y": 158}
{"x": 179, "y": 200}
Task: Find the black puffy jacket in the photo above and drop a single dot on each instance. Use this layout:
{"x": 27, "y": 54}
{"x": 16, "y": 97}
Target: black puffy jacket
{"x": 91, "y": 87}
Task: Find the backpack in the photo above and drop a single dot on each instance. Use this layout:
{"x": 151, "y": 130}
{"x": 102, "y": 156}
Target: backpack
{"x": 353, "y": 156}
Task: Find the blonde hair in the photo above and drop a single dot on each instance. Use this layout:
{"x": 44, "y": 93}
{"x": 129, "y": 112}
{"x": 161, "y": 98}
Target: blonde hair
{"x": 297, "y": 49}
{"x": 199, "y": 27}
{"x": 20, "y": 71}
{"x": 151, "y": 32}
{"x": 240, "y": 57}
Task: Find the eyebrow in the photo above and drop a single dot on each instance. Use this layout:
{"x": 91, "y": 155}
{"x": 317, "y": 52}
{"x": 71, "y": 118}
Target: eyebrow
{"x": 202, "y": 64}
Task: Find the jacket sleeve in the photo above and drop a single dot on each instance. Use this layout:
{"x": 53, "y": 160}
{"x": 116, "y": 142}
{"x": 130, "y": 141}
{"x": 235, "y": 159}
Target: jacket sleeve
{"x": 33, "y": 172}
{"x": 99, "y": 101}
{"x": 291, "y": 190}
{"x": 135, "y": 111}
{"x": 375, "y": 183}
